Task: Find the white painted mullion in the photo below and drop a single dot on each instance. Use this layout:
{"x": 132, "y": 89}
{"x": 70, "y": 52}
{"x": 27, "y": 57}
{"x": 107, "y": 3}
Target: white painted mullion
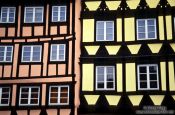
{"x": 146, "y": 29}
{"x": 104, "y": 31}
{"x": 148, "y": 78}
{"x": 29, "y": 96}
{"x": 33, "y": 14}
{"x": 5, "y": 52}
{"x": 59, "y": 91}
{"x": 8, "y": 13}
{"x": 105, "y": 77}
{"x": 31, "y": 54}
{"x": 0, "y": 95}
{"x": 59, "y": 10}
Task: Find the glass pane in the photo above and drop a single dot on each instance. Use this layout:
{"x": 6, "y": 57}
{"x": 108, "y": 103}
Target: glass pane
{"x": 100, "y": 85}
{"x": 34, "y": 101}
{"x": 55, "y": 19}
{"x": 24, "y": 95}
{"x": 54, "y": 95}
{"x": 34, "y": 89}
{"x": 26, "y": 58}
{"x": 109, "y": 24}
{"x": 8, "y": 58}
{"x": 34, "y": 95}
{"x": 100, "y": 25}
{"x": 141, "y": 35}
{"x": 100, "y": 31}
{"x": 5, "y": 95}
{"x": 2, "y": 49}
{"x": 100, "y": 70}
{"x": 143, "y": 77}
{"x": 37, "y": 58}
{"x": 25, "y": 89}
{"x": 153, "y": 76}
{"x": 4, "y": 101}
{"x": 110, "y": 84}
{"x": 151, "y": 35}
{"x": 64, "y": 95}
{"x": 141, "y": 29}
{"x": 153, "y": 69}
{"x": 53, "y": 100}
{"x": 61, "y": 57}
{"x": 110, "y": 77}
{"x": 54, "y": 89}
{"x": 142, "y": 69}
{"x": 151, "y": 28}
{"x": 61, "y": 47}
{"x": 153, "y": 84}
{"x": 24, "y": 101}
{"x": 141, "y": 22}
{"x": 100, "y": 37}
{"x": 150, "y": 22}
{"x": 143, "y": 84}
{"x": 64, "y": 89}
{"x": 63, "y": 100}
{"x": 109, "y": 37}
{"x": 1, "y": 58}
{"x": 8, "y": 54}
{"x": 28, "y": 49}
{"x": 100, "y": 78}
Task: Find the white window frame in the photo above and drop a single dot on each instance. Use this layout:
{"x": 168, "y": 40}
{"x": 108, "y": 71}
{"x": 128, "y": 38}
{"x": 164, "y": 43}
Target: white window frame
{"x": 105, "y": 78}
{"x": 59, "y": 89}
{"x": 146, "y": 29}
{"x": 59, "y": 7}
{"x": 31, "y": 53}
{"x": 5, "y": 54}
{"x": 105, "y": 39}
{"x": 58, "y": 53}
{"x": 8, "y": 13}
{"x": 148, "y": 77}
{"x": 29, "y": 96}
{"x": 33, "y": 18}
{"x": 4, "y": 98}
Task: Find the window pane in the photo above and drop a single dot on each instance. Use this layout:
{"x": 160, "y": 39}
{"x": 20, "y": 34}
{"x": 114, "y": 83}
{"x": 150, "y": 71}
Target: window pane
{"x": 110, "y": 84}
{"x": 64, "y": 89}
{"x": 153, "y": 69}
{"x": 54, "y": 94}
{"x": 141, "y": 35}
{"x": 24, "y": 95}
{"x": 143, "y": 84}
{"x": 100, "y": 85}
{"x": 63, "y": 100}
{"x": 54, "y": 100}
{"x": 100, "y": 78}
{"x": 151, "y": 35}
{"x": 151, "y": 29}
{"x": 153, "y": 76}
{"x": 153, "y": 84}
{"x": 141, "y": 22}
{"x": 54, "y": 89}
{"x": 109, "y": 37}
{"x": 141, "y": 29}
{"x": 25, "y": 90}
{"x": 142, "y": 69}
{"x": 24, "y": 101}
{"x": 151, "y": 22}
{"x": 34, "y": 101}
{"x": 4, "y": 101}
{"x": 143, "y": 77}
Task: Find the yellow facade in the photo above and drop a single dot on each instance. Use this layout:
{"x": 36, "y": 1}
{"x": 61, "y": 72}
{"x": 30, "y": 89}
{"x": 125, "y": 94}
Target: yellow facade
{"x": 163, "y": 75}
{"x": 171, "y": 76}
{"x": 88, "y": 77}
{"x": 129, "y": 25}
{"x": 130, "y": 77}
{"x": 169, "y": 27}
{"x": 88, "y": 30}
{"x": 119, "y": 77}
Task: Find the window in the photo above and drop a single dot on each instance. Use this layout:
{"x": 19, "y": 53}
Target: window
{"x": 4, "y": 96}
{"x": 57, "y": 52}
{"x": 148, "y": 77}
{"x": 146, "y": 29}
{"x": 29, "y": 95}
{"x": 7, "y": 15}
{"x": 105, "y": 31}
{"x": 58, "y": 13}
{"x": 105, "y": 78}
{"x": 58, "y": 95}
{"x": 31, "y": 53}
{"x": 6, "y": 53}
{"x": 33, "y": 15}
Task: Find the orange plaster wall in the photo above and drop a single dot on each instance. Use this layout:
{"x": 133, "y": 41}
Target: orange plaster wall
{"x": 35, "y": 112}
{"x": 19, "y": 20}
{"x": 14, "y": 89}
{"x": 5, "y": 112}
{"x": 61, "y": 69}
{"x": 23, "y": 70}
{"x": 52, "y": 69}
{"x": 64, "y": 111}
{"x": 53, "y": 30}
{"x": 7, "y": 70}
{"x": 15, "y": 59}
{"x": 38, "y": 30}
{"x": 27, "y": 31}
{"x": 2, "y": 32}
{"x": 47, "y": 19}
{"x": 11, "y": 32}
{"x": 63, "y": 29}
{"x": 70, "y": 58}
{"x": 22, "y": 112}
{"x": 1, "y": 71}
{"x": 35, "y": 70}
{"x": 43, "y": 94}
{"x": 45, "y": 56}
{"x": 52, "y": 111}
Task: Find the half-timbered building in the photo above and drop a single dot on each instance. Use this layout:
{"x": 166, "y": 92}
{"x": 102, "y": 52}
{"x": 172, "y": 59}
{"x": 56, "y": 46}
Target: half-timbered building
{"x": 127, "y": 56}
{"x": 37, "y": 40}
